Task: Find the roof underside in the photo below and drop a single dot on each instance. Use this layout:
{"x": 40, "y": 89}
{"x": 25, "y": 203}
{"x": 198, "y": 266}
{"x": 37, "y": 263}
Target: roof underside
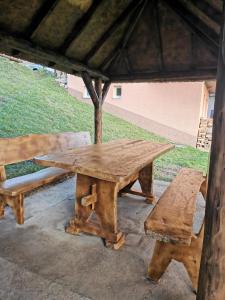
{"x": 119, "y": 40}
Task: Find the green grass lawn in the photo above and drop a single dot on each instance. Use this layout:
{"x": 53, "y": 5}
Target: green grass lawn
{"x": 32, "y": 102}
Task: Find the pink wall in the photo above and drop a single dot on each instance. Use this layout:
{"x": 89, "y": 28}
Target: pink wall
{"x": 176, "y": 105}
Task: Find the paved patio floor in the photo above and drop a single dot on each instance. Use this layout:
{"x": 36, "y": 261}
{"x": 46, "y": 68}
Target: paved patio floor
{"x": 40, "y": 261}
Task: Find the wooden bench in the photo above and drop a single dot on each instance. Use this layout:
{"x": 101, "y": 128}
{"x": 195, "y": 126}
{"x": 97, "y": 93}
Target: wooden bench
{"x": 23, "y": 148}
{"x": 171, "y": 224}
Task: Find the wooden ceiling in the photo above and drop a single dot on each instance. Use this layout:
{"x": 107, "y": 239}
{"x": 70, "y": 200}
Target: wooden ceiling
{"x": 117, "y": 40}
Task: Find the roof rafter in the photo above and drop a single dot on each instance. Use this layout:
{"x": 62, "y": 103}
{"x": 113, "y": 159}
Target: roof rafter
{"x": 166, "y": 76}
{"x": 158, "y": 32}
{"x": 210, "y": 11}
{"x": 133, "y": 21}
{"x": 198, "y": 27}
{"x": 122, "y": 17}
{"x": 7, "y": 41}
{"x": 90, "y": 87}
{"x": 105, "y": 90}
{"x": 79, "y": 26}
{"x": 40, "y": 15}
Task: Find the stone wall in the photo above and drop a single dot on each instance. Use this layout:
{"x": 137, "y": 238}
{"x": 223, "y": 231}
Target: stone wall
{"x": 204, "y": 134}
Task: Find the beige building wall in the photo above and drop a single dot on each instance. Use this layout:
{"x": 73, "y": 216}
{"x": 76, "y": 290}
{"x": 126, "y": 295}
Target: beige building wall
{"x": 172, "y": 110}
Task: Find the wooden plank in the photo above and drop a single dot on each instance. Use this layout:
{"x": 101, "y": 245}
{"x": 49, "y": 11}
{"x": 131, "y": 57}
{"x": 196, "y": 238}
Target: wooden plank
{"x": 21, "y": 148}
{"x": 113, "y": 161}
{"x": 212, "y": 276}
{"x": 171, "y": 220}
{"x": 29, "y": 182}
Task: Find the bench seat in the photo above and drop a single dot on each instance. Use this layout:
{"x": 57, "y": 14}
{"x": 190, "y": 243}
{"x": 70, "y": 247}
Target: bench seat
{"x": 24, "y": 148}
{"x": 171, "y": 224}
{"x": 26, "y": 183}
{"x": 171, "y": 220}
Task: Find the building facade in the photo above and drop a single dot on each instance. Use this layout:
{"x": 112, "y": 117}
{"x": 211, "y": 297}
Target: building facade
{"x": 172, "y": 110}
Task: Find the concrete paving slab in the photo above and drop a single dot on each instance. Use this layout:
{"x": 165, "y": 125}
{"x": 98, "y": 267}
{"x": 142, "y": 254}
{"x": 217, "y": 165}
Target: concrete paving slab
{"x": 40, "y": 261}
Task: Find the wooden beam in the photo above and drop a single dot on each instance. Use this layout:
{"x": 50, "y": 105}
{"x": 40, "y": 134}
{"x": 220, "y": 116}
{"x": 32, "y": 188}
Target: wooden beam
{"x": 133, "y": 21}
{"x": 79, "y": 26}
{"x": 158, "y": 33}
{"x": 40, "y": 14}
{"x": 7, "y": 41}
{"x": 158, "y": 76}
{"x": 98, "y": 112}
{"x": 97, "y": 94}
{"x": 121, "y": 18}
{"x": 126, "y": 60}
{"x": 198, "y": 27}
{"x": 212, "y": 275}
{"x": 105, "y": 90}
{"x": 208, "y": 10}
{"x": 91, "y": 90}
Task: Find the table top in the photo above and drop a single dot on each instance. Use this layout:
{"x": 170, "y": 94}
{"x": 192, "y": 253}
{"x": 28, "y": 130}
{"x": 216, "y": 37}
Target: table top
{"x": 112, "y": 161}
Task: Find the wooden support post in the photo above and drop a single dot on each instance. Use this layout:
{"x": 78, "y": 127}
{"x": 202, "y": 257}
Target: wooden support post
{"x": 212, "y": 272}
{"x": 98, "y": 112}
{"x": 97, "y": 94}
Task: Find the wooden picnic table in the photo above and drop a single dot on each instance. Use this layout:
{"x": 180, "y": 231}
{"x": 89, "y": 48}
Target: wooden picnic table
{"x": 104, "y": 170}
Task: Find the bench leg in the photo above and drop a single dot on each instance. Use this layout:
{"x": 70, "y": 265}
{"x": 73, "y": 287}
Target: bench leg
{"x": 192, "y": 266}
{"x": 18, "y": 208}
{"x": 160, "y": 260}
{"x": 189, "y": 255}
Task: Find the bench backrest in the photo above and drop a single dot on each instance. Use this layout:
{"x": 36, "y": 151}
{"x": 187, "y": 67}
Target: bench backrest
{"x": 22, "y": 148}
{"x": 171, "y": 220}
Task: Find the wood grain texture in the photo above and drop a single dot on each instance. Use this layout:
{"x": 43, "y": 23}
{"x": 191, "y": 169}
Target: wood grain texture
{"x": 100, "y": 219}
{"x": 171, "y": 220}
{"x": 212, "y": 273}
{"x": 21, "y": 148}
{"x": 76, "y": 36}
{"x": 29, "y": 182}
{"x": 111, "y": 167}
{"x": 114, "y": 161}
{"x": 189, "y": 255}
{"x": 98, "y": 112}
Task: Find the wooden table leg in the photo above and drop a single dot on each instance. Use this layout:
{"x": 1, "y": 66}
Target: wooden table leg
{"x": 146, "y": 181}
{"x": 82, "y": 213}
{"x": 105, "y": 209}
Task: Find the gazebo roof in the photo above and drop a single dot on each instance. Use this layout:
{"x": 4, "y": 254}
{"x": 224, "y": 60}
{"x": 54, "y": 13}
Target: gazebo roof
{"x": 119, "y": 40}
